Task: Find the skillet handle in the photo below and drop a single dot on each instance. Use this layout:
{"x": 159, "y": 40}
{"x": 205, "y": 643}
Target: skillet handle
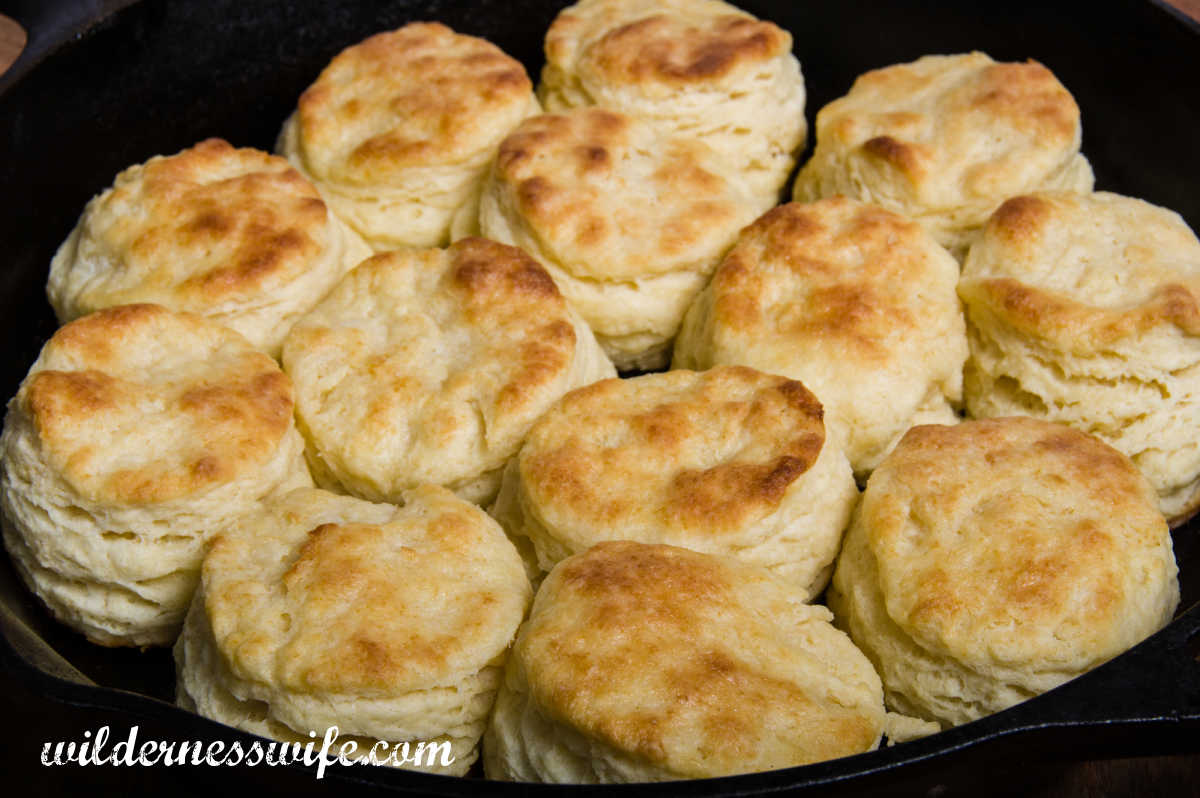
{"x": 50, "y": 23}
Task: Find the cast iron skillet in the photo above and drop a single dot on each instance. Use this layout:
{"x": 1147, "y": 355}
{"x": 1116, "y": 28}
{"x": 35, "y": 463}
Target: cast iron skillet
{"x": 107, "y": 83}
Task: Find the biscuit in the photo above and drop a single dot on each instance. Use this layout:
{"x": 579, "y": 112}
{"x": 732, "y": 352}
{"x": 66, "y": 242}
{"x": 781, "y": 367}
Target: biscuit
{"x": 700, "y": 68}
{"x": 136, "y": 433}
{"x": 947, "y": 138}
{"x": 730, "y": 461}
{"x": 431, "y": 366}
{"x": 993, "y": 560}
{"x": 399, "y": 129}
{"x": 1083, "y": 309}
{"x": 390, "y": 623}
{"x": 650, "y": 663}
{"x": 856, "y": 302}
{"x": 236, "y": 235}
{"x": 630, "y": 223}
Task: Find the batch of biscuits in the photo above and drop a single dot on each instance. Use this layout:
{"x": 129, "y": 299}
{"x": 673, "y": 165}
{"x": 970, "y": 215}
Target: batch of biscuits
{"x": 343, "y": 424}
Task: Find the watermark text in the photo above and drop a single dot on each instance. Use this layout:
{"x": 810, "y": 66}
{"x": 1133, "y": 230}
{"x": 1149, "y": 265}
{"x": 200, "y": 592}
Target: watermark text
{"x": 95, "y": 750}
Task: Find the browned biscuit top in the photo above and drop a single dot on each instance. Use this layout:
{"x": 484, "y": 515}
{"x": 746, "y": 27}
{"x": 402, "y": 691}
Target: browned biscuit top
{"x": 692, "y": 456}
{"x": 201, "y": 229}
{"x": 422, "y": 95}
{"x": 823, "y": 278}
{"x": 957, "y": 129}
{"x": 1085, "y": 271}
{"x": 424, "y": 364}
{"x": 666, "y": 49}
{"x": 331, "y": 594}
{"x": 674, "y": 44}
{"x": 694, "y": 663}
{"x": 136, "y": 404}
{"x": 1016, "y": 541}
{"x": 610, "y": 198}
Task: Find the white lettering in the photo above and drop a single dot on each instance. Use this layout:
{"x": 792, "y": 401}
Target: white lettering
{"x": 344, "y": 755}
{"x": 130, "y": 743}
{"x": 101, "y": 739}
{"x": 331, "y": 735}
{"x": 149, "y": 753}
{"x": 256, "y": 754}
{"x": 235, "y": 751}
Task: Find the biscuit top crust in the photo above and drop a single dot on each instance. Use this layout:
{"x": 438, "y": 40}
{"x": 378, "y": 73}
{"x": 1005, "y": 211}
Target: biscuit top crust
{"x": 202, "y": 231}
{"x": 1018, "y": 542}
{"x": 419, "y": 96}
{"x": 420, "y": 359}
{"x": 837, "y": 281}
{"x": 326, "y": 593}
{"x": 681, "y": 457}
{"x": 1085, "y": 271}
{"x": 694, "y": 663}
{"x": 608, "y": 197}
{"x": 956, "y": 128}
{"x": 673, "y": 44}
{"x": 138, "y": 405}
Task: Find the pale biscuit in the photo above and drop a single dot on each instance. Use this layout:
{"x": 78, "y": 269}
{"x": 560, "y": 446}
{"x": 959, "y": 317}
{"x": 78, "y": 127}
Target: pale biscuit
{"x": 993, "y": 560}
{"x": 390, "y": 623}
{"x": 202, "y": 686}
{"x": 856, "y": 302}
{"x": 700, "y": 68}
{"x": 431, "y": 366}
{"x": 947, "y": 138}
{"x": 135, "y": 435}
{"x": 399, "y": 130}
{"x": 650, "y": 663}
{"x": 1084, "y": 309}
{"x": 236, "y": 235}
{"x": 629, "y": 222}
{"x": 729, "y": 461}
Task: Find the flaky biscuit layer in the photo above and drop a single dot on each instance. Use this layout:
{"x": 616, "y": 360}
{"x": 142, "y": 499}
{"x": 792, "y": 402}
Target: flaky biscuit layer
{"x": 699, "y": 68}
{"x": 135, "y": 434}
{"x": 1083, "y": 309}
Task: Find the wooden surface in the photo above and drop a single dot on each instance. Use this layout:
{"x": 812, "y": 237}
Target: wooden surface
{"x": 1135, "y": 777}
{"x": 12, "y": 41}
{"x": 1189, "y": 7}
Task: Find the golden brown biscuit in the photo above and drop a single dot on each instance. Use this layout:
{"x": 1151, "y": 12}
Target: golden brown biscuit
{"x": 650, "y": 663}
{"x": 729, "y": 461}
{"x": 630, "y": 223}
{"x": 699, "y": 68}
{"x": 233, "y": 234}
{"x": 991, "y": 561}
{"x": 1084, "y": 309}
{"x": 399, "y": 129}
{"x": 431, "y": 366}
{"x": 947, "y": 138}
{"x": 390, "y": 623}
{"x": 136, "y": 433}
{"x": 856, "y": 302}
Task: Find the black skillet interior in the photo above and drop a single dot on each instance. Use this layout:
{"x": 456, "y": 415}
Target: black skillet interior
{"x": 106, "y": 83}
